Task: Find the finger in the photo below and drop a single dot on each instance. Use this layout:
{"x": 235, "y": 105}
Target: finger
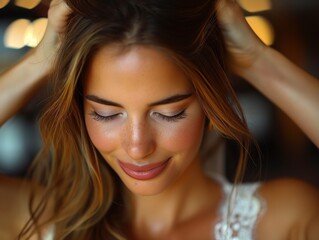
{"x": 58, "y": 14}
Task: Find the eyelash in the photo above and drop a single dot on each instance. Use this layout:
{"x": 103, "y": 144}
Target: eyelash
{"x": 175, "y": 118}
{"x": 98, "y": 117}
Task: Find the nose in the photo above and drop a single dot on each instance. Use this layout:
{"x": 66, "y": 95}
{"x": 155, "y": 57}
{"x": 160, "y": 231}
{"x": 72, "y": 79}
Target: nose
{"x": 139, "y": 141}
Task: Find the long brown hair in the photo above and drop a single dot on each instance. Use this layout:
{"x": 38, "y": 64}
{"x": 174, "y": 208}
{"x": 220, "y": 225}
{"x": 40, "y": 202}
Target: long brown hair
{"x": 88, "y": 201}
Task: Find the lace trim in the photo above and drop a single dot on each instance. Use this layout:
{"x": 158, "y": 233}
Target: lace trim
{"x": 239, "y": 213}
{"x": 50, "y": 233}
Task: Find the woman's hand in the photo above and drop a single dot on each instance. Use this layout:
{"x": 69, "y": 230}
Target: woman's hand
{"x": 19, "y": 83}
{"x": 242, "y": 43}
{"x": 57, "y": 21}
{"x": 57, "y": 15}
{"x": 289, "y": 87}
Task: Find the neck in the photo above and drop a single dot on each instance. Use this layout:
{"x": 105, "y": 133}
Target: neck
{"x": 192, "y": 194}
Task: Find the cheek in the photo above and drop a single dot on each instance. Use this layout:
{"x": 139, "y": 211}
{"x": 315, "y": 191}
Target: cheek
{"x": 102, "y": 138}
{"x": 187, "y": 136}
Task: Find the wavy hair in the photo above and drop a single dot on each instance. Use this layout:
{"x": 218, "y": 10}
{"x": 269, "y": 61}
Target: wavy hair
{"x": 88, "y": 200}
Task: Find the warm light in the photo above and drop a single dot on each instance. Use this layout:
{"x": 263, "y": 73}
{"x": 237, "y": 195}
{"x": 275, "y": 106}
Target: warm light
{"x": 23, "y": 33}
{"x": 15, "y": 34}
{"x": 262, "y": 28}
{"x": 255, "y": 5}
{"x": 35, "y": 32}
{"x": 3, "y": 3}
{"x": 28, "y": 4}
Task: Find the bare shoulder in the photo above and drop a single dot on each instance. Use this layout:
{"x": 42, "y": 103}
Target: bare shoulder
{"x": 14, "y": 200}
{"x": 291, "y": 210}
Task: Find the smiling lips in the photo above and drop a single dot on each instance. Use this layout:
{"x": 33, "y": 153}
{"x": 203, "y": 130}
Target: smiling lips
{"x": 146, "y": 172}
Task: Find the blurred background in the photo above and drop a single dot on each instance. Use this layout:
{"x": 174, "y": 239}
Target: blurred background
{"x": 290, "y": 26}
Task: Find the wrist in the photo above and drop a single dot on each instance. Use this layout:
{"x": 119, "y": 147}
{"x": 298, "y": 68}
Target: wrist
{"x": 41, "y": 58}
{"x": 259, "y": 67}
{"x": 45, "y": 52}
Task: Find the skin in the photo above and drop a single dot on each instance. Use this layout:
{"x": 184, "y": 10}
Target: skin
{"x": 138, "y": 133}
{"x": 135, "y": 79}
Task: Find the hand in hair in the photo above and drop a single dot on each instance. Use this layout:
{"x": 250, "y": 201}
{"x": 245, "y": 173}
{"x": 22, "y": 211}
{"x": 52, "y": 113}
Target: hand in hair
{"x": 289, "y": 87}
{"x": 19, "y": 83}
{"x": 242, "y": 43}
{"x": 57, "y": 21}
{"x": 57, "y": 15}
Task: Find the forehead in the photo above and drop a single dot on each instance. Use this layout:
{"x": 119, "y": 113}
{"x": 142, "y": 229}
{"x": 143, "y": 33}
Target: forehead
{"x": 134, "y": 71}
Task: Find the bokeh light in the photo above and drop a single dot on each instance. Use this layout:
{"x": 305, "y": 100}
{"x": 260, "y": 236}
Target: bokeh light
{"x": 255, "y": 5}
{"x": 35, "y": 32}
{"x": 28, "y": 4}
{"x": 23, "y": 32}
{"x": 15, "y": 34}
{"x": 263, "y": 28}
{"x": 3, "y": 3}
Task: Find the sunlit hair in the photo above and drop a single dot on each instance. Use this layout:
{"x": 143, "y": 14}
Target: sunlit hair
{"x": 88, "y": 199}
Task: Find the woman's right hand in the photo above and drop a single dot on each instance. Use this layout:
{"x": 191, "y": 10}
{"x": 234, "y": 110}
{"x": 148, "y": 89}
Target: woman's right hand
{"x": 20, "y": 82}
{"x": 57, "y": 21}
{"x": 242, "y": 43}
{"x": 57, "y": 15}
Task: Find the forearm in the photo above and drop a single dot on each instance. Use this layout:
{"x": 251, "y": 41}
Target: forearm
{"x": 19, "y": 83}
{"x": 289, "y": 87}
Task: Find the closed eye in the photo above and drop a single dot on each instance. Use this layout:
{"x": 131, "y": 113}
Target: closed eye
{"x": 99, "y": 117}
{"x": 174, "y": 118}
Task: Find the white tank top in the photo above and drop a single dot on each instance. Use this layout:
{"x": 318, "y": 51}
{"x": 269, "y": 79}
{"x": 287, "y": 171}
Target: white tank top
{"x": 239, "y": 211}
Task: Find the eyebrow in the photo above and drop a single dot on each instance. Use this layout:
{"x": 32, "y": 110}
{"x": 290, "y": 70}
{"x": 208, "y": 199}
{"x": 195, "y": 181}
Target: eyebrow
{"x": 171, "y": 99}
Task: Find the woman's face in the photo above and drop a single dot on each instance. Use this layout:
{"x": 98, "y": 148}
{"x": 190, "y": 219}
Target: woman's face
{"x": 142, "y": 116}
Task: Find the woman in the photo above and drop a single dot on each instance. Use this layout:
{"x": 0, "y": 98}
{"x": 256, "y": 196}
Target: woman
{"x": 137, "y": 84}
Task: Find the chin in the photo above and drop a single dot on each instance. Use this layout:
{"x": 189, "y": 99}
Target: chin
{"x": 146, "y": 188}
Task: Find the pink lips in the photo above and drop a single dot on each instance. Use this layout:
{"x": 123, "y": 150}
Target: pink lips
{"x": 146, "y": 172}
